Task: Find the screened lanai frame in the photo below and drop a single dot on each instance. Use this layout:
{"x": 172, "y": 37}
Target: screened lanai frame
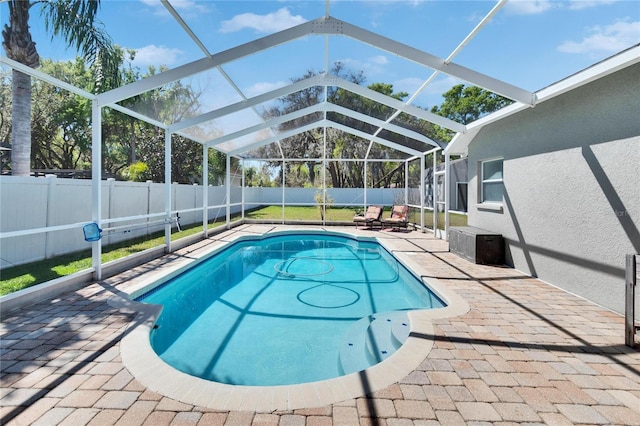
{"x": 326, "y": 26}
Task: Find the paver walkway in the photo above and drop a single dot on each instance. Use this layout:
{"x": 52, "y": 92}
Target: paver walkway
{"x": 525, "y": 353}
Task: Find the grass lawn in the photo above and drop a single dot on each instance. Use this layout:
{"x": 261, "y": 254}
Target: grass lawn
{"x": 306, "y": 213}
{"x": 345, "y": 214}
{"x": 23, "y": 276}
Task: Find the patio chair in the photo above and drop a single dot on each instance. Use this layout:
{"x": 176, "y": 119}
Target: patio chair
{"x": 371, "y": 217}
{"x": 399, "y": 217}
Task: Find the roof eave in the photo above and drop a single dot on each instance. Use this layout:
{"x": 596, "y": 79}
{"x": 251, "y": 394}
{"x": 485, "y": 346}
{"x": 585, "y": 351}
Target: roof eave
{"x": 460, "y": 143}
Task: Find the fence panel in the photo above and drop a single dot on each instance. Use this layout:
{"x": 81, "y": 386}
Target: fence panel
{"x": 24, "y": 206}
{"x": 68, "y": 201}
{"x": 126, "y": 199}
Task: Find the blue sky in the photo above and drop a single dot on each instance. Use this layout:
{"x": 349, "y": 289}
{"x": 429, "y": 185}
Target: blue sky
{"x": 529, "y": 44}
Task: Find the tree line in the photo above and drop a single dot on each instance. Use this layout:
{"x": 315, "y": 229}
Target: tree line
{"x": 131, "y": 149}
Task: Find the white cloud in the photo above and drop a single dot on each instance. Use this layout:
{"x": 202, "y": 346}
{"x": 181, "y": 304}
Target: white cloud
{"x": 371, "y": 66}
{"x": 585, "y": 4}
{"x": 528, "y": 7}
{"x": 611, "y": 38}
{"x": 379, "y": 60}
{"x": 534, "y": 7}
{"x": 156, "y": 55}
{"x": 263, "y": 87}
{"x": 269, "y": 23}
{"x": 186, "y": 7}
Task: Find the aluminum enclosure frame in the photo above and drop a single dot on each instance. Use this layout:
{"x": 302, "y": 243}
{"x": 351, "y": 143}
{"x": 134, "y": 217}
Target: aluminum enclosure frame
{"x": 324, "y": 26}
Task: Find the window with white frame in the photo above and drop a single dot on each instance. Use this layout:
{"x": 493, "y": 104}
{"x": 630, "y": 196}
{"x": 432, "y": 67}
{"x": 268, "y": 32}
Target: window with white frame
{"x": 492, "y": 187}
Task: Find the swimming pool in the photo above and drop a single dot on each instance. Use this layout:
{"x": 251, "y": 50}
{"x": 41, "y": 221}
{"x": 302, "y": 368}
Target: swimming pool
{"x": 286, "y": 309}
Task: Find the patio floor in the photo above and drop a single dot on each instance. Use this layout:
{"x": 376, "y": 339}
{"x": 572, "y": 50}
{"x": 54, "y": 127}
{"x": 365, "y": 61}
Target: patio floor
{"x": 525, "y": 352}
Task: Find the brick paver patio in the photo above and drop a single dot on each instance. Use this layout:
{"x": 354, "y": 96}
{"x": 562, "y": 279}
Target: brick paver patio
{"x": 525, "y": 353}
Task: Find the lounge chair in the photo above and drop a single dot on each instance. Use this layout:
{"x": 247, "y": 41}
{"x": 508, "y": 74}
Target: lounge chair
{"x": 371, "y": 217}
{"x": 399, "y": 217}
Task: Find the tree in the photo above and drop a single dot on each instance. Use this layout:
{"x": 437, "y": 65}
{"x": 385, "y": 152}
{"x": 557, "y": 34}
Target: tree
{"x": 339, "y": 144}
{"x": 128, "y": 141}
{"x": 465, "y": 104}
{"x": 380, "y": 174}
{"x": 73, "y": 20}
{"x": 131, "y": 149}
{"x": 61, "y": 120}
{"x": 5, "y": 119}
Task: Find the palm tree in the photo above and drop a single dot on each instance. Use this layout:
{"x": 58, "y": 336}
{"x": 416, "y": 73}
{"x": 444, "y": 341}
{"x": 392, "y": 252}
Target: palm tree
{"x": 74, "y": 21}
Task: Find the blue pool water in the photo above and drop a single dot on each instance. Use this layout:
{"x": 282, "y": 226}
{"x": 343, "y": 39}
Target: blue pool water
{"x": 286, "y": 309}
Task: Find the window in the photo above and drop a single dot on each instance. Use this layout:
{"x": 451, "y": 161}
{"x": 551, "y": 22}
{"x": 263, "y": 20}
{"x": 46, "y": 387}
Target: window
{"x": 492, "y": 184}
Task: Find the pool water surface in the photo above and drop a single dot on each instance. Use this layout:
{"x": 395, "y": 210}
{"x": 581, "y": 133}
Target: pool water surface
{"x": 285, "y": 309}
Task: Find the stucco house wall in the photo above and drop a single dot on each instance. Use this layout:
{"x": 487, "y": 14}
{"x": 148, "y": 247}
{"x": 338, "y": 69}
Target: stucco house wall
{"x": 571, "y": 173}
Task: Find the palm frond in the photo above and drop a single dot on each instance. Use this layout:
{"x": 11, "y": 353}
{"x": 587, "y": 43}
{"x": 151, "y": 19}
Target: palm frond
{"x": 76, "y": 22}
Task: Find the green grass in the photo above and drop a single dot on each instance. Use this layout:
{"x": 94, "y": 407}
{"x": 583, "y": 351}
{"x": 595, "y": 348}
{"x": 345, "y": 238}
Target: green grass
{"x": 23, "y": 276}
{"x": 304, "y": 213}
{"x": 455, "y": 219}
{"x": 345, "y": 214}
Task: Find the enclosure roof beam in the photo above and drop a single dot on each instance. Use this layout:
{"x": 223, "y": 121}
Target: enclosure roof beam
{"x": 335, "y": 26}
{"x": 195, "y": 67}
{"x": 326, "y": 26}
{"x": 283, "y": 135}
{"x": 324, "y": 123}
{"x": 382, "y": 124}
{"x": 137, "y": 115}
{"x": 370, "y": 137}
{"x": 396, "y": 104}
{"x": 321, "y": 107}
{"x": 249, "y": 103}
{"x": 46, "y": 77}
{"x": 185, "y": 27}
{"x": 319, "y": 80}
{"x": 268, "y": 124}
{"x": 452, "y": 55}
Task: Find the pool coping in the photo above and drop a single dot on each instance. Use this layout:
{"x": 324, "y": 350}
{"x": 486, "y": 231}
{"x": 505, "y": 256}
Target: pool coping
{"x": 144, "y": 364}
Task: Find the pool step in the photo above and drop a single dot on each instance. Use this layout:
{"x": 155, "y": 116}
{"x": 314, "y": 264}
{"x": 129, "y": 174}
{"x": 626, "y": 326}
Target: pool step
{"x": 400, "y": 328}
{"x": 373, "y": 339}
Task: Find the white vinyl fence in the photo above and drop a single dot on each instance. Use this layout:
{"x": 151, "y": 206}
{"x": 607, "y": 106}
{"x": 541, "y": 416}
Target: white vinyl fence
{"x": 30, "y": 203}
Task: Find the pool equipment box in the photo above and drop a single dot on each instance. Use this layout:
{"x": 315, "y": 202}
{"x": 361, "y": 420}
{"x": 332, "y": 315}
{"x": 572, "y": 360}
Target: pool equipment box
{"x": 477, "y": 245}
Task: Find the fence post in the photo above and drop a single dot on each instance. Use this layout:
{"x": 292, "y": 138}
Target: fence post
{"x": 149, "y": 183}
{"x": 112, "y": 199}
{"x": 630, "y": 297}
{"x": 51, "y": 183}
